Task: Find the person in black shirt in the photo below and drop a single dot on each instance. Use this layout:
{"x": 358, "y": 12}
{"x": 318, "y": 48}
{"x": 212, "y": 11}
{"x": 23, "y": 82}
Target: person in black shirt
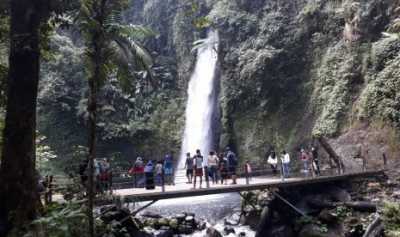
{"x": 314, "y": 153}
{"x": 189, "y": 168}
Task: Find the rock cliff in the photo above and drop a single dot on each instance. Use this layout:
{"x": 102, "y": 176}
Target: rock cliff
{"x": 290, "y": 70}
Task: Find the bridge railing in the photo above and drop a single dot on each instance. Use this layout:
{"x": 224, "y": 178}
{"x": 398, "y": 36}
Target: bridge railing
{"x": 262, "y": 170}
{"x": 120, "y": 179}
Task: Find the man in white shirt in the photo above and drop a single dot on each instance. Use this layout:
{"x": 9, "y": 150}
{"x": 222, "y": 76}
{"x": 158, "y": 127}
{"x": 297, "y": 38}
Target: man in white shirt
{"x": 273, "y": 162}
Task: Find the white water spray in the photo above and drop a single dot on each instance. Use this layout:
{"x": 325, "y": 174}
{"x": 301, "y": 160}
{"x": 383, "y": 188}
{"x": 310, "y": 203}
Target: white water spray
{"x": 201, "y": 102}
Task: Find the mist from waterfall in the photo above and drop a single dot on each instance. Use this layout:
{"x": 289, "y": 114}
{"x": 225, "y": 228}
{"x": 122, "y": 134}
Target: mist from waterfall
{"x": 202, "y": 98}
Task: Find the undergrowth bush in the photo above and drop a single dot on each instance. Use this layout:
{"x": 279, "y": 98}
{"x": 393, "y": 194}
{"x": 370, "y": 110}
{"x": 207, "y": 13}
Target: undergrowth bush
{"x": 61, "y": 220}
{"x": 391, "y": 219}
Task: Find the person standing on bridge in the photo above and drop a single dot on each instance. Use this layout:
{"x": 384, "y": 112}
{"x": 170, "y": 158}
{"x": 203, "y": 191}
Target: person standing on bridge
{"x": 168, "y": 169}
{"x": 189, "y": 167}
{"x": 212, "y": 164}
{"x": 138, "y": 172}
{"x": 314, "y": 153}
{"x": 198, "y": 163}
{"x": 232, "y": 164}
{"x": 305, "y": 159}
{"x": 159, "y": 171}
{"x": 223, "y": 168}
{"x": 285, "y": 160}
{"x": 273, "y": 162}
{"x": 105, "y": 175}
{"x": 149, "y": 174}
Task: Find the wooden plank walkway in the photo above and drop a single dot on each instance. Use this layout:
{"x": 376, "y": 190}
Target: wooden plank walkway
{"x": 137, "y": 195}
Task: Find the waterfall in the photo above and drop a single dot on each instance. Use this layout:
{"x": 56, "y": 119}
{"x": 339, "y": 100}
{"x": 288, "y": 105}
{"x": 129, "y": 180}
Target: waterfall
{"x": 202, "y": 99}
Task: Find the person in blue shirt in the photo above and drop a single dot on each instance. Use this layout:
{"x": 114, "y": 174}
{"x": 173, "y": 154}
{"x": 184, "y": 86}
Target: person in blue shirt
{"x": 169, "y": 169}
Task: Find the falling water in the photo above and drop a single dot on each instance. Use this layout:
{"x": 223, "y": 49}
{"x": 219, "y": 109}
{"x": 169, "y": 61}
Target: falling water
{"x": 202, "y": 99}
{"x": 199, "y": 134}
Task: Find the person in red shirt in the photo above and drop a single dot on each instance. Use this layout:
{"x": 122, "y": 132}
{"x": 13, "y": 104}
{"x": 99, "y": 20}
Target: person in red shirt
{"x": 305, "y": 159}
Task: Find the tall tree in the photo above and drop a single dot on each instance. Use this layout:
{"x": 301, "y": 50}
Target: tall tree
{"x": 18, "y": 197}
{"x": 18, "y": 178}
{"x": 112, "y": 48}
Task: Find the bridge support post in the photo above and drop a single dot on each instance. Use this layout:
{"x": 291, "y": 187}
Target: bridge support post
{"x": 110, "y": 181}
{"x": 49, "y": 190}
{"x": 135, "y": 179}
{"x": 312, "y": 168}
{"x": 282, "y": 174}
{"x": 162, "y": 180}
{"x": 289, "y": 204}
{"x": 206, "y": 172}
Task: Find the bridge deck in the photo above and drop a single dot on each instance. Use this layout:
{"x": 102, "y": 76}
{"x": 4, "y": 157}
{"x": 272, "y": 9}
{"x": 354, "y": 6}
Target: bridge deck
{"x": 256, "y": 183}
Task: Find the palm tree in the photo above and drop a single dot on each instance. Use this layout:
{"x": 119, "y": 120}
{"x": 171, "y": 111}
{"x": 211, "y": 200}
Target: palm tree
{"x": 112, "y": 48}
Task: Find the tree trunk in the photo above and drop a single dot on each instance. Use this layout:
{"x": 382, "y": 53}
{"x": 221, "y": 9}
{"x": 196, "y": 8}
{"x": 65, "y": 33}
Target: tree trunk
{"x": 18, "y": 179}
{"x": 92, "y": 107}
{"x": 362, "y": 206}
{"x": 375, "y": 228}
{"x": 332, "y": 154}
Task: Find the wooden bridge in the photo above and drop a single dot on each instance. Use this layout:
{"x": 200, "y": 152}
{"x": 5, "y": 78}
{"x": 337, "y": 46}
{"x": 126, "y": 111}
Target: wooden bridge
{"x": 256, "y": 183}
{"x": 261, "y": 181}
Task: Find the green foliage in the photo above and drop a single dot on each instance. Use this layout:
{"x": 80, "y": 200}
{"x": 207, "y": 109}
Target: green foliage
{"x": 4, "y": 45}
{"x": 123, "y": 114}
{"x": 304, "y": 220}
{"x": 4, "y": 23}
{"x": 112, "y": 48}
{"x": 381, "y": 97}
{"x": 339, "y": 69}
{"x": 193, "y": 11}
{"x": 310, "y": 9}
{"x": 342, "y": 212}
{"x": 323, "y": 228}
{"x": 45, "y": 157}
{"x": 61, "y": 220}
{"x": 391, "y": 219}
{"x": 308, "y": 220}
{"x": 202, "y": 22}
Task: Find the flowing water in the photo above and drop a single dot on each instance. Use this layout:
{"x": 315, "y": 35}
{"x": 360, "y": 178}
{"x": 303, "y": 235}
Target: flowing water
{"x": 198, "y": 134}
{"x": 214, "y": 209}
{"x": 202, "y": 99}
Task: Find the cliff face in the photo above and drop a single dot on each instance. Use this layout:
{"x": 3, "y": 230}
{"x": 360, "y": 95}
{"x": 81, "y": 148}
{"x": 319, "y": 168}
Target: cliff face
{"x": 293, "y": 69}
{"x": 289, "y": 70}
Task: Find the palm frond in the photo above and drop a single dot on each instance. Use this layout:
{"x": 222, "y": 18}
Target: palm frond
{"x": 114, "y": 17}
{"x": 135, "y": 55}
{"x": 133, "y": 32}
{"x": 133, "y": 51}
{"x": 122, "y": 54}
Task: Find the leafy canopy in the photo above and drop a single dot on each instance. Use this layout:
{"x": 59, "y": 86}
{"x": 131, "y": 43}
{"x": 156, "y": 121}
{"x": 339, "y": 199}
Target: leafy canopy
{"x": 113, "y": 48}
